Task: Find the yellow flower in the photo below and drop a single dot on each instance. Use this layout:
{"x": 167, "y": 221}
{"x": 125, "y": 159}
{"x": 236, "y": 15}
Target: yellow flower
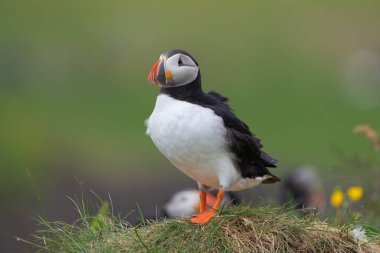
{"x": 355, "y": 193}
{"x": 337, "y": 198}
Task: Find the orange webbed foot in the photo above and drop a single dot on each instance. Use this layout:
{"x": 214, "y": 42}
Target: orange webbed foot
{"x": 203, "y": 218}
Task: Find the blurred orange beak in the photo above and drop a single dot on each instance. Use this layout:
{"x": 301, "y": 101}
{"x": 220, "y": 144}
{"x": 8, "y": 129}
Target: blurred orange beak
{"x": 152, "y": 77}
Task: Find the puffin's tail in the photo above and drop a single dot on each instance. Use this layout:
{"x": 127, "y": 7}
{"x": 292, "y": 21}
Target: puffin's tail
{"x": 271, "y": 163}
{"x": 268, "y": 161}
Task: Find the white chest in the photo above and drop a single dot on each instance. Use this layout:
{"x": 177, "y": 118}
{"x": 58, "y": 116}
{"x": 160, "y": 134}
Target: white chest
{"x": 190, "y": 136}
{"x": 185, "y": 131}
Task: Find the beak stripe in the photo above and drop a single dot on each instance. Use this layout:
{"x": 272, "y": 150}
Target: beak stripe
{"x": 161, "y": 73}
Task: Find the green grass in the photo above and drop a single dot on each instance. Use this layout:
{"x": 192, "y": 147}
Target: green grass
{"x": 238, "y": 229}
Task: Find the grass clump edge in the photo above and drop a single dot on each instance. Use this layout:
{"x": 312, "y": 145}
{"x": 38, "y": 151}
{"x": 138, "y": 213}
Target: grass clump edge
{"x": 241, "y": 228}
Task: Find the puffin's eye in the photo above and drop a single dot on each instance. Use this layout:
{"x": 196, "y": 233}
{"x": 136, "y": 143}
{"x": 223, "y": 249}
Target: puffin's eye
{"x": 180, "y": 63}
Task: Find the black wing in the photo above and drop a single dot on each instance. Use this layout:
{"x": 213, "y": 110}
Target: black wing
{"x": 250, "y": 159}
{"x": 217, "y": 96}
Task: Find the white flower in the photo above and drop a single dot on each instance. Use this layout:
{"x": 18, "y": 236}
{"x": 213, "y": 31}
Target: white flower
{"x": 359, "y": 233}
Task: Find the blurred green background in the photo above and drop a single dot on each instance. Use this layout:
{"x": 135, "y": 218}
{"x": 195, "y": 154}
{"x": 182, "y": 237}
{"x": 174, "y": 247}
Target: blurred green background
{"x": 74, "y": 97}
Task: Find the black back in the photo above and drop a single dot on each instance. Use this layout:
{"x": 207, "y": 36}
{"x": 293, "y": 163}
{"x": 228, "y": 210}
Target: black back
{"x": 251, "y": 161}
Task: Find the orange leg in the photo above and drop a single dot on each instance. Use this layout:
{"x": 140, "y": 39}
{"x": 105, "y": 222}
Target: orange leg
{"x": 204, "y": 217}
{"x": 202, "y": 197}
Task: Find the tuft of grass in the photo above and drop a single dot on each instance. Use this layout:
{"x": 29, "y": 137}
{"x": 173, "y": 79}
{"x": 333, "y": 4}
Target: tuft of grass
{"x": 238, "y": 229}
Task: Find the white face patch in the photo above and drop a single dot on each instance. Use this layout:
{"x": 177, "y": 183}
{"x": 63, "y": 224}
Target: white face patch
{"x": 182, "y": 68}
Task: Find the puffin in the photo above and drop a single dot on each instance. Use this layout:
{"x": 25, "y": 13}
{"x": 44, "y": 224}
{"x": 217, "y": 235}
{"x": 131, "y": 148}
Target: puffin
{"x": 200, "y": 135}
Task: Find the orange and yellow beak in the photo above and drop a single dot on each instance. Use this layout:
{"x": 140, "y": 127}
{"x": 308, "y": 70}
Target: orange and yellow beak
{"x": 158, "y": 75}
{"x": 152, "y": 77}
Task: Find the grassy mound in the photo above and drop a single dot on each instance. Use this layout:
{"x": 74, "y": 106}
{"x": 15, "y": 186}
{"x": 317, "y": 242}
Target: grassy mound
{"x": 239, "y": 229}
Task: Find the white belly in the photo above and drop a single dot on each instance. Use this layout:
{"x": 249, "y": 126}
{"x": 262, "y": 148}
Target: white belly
{"x": 193, "y": 139}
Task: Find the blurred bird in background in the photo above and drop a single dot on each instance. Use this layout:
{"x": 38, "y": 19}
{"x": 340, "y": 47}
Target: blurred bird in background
{"x": 303, "y": 189}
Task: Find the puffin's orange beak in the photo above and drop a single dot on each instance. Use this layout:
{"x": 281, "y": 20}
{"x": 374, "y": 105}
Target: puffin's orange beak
{"x": 152, "y": 77}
